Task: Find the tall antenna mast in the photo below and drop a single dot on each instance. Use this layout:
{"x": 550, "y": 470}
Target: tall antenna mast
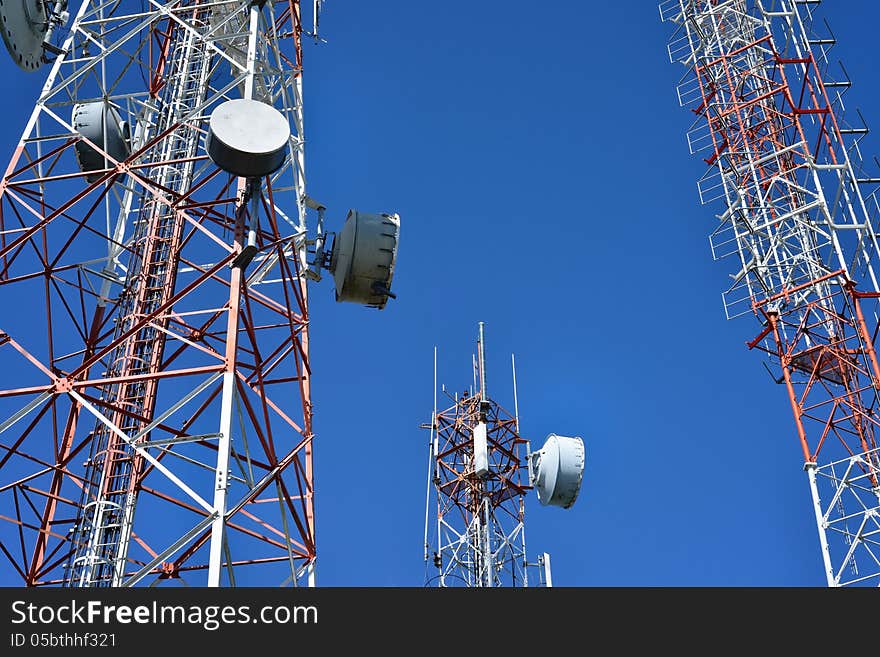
{"x": 796, "y": 215}
{"x": 481, "y": 474}
{"x": 481, "y": 347}
{"x": 515, "y": 396}
{"x": 431, "y": 452}
{"x": 156, "y": 410}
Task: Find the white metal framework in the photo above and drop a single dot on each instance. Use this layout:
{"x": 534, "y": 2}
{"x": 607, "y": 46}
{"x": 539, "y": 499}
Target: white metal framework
{"x": 155, "y": 415}
{"x": 798, "y": 215}
{"x": 474, "y": 518}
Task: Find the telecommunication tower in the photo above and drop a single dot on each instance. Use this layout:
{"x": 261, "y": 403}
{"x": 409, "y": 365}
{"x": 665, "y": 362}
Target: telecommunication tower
{"x": 479, "y": 472}
{"x": 156, "y": 245}
{"x": 797, "y": 217}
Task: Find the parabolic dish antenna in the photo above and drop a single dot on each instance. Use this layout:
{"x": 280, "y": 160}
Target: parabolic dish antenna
{"x": 24, "y": 24}
{"x": 557, "y": 470}
{"x": 247, "y": 138}
{"x": 363, "y": 259}
{"x": 101, "y": 124}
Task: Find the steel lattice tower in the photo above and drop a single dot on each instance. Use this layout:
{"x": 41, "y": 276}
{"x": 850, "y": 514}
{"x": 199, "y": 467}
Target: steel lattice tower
{"x": 797, "y": 218}
{"x": 477, "y": 510}
{"x": 155, "y": 406}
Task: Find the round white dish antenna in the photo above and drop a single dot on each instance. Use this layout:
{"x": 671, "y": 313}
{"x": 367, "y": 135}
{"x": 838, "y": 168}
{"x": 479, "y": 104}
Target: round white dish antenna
{"x": 363, "y": 258}
{"x": 557, "y": 470}
{"x": 101, "y": 124}
{"x": 247, "y": 138}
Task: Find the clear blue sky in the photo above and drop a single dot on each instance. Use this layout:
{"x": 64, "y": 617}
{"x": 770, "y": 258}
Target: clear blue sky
{"x": 537, "y": 157}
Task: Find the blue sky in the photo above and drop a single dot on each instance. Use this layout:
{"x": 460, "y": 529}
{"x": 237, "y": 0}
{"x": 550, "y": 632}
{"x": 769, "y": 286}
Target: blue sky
{"x": 536, "y": 154}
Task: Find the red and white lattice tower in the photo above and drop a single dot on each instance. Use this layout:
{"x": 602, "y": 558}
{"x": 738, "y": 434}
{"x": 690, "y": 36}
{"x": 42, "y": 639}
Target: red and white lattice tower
{"x": 155, "y": 379}
{"x": 479, "y": 471}
{"x": 797, "y": 220}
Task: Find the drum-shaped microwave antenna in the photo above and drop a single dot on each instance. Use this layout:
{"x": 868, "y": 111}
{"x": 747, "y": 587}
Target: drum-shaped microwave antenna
{"x": 23, "y": 24}
{"x": 557, "y": 470}
{"x": 363, "y": 258}
{"x": 101, "y": 124}
{"x": 247, "y": 138}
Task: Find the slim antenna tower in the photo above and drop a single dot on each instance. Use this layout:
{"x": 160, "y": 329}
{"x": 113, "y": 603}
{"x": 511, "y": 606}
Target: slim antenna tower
{"x": 156, "y": 406}
{"x": 515, "y": 395}
{"x": 797, "y": 217}
{"x": 481, "y": 472}
{"x": 432, "y": 449}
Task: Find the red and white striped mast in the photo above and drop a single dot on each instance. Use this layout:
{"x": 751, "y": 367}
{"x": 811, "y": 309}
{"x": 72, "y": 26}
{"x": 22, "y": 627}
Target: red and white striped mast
{"x": 480, "y": 469}
{"x": 797, "y": 217}
{"x": 155, "y": 410}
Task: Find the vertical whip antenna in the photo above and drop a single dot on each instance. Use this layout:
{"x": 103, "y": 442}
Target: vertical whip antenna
{"x": 431, "y": 456}
{"x": 515, "y": 398}
{"x": 482, "y": 356}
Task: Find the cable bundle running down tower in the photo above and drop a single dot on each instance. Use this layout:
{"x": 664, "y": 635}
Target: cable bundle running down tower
{"x": 155, "y": 410}
{"x": 475, "y": 471}
{"x": 786, "y": 167}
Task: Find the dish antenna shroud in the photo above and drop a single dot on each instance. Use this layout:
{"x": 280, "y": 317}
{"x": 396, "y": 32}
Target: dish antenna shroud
{"x": 100, "y": 123}
{"x": 247, "y": 138}
{"x": 24, "y": 24}
{"x": 557, "y": 470}
{"x": 363, "y": 258}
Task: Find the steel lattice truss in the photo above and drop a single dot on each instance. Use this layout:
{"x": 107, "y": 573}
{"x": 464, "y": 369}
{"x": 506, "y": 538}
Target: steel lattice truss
{"x": 155, "y": 412}
{"x": 480, "y": 537}
{"x": 786, "y": 167}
